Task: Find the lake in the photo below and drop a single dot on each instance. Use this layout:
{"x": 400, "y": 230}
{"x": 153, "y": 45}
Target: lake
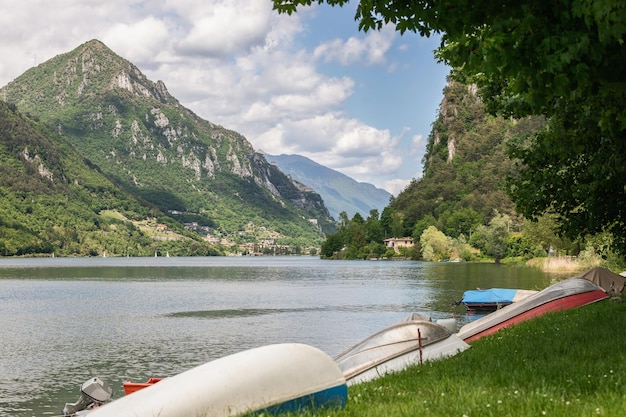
{"x": 64, "y": 320}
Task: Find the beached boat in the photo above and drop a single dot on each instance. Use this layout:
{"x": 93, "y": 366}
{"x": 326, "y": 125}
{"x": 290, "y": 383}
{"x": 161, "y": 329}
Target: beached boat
{"x": 411, "y": 341}
{"x": 571, "y": 293}
{"x": 492, "y": 299}
{"x": 612, "y": 283}
{"x": 269, "y": 379}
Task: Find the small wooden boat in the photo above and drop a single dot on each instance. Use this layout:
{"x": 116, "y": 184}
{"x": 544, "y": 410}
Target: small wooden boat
{"x": 270, "y": 379}
{"x": 571, "y": 293}
{"x": 411, "y": 341}
{"x": 492, "y": 299}
{"x": 130, "y": 387}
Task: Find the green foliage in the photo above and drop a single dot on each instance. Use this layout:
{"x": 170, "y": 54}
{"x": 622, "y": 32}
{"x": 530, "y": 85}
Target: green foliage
{"x": 561, "y": 60}
{"x": 465, "y": 167}
{"x": 356, "y": 238}
{"x": 423, "y": 224}
{"x": 52, "y": 198}
{"x": 435, "y": 245}
{"x": 498, "y": 236}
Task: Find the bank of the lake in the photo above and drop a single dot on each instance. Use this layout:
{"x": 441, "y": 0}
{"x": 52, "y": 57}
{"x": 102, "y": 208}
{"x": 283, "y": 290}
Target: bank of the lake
{"x": 562, "y": 364}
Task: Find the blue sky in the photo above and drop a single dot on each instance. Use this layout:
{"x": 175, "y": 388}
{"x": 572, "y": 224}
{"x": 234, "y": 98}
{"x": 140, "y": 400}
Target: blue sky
{"x": 308, "y": 84}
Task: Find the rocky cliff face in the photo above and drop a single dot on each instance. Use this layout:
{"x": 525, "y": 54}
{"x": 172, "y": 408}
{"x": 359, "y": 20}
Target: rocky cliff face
{"x": 149, "y": 143}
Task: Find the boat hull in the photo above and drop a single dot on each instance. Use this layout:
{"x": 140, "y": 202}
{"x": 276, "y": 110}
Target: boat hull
{"x": 272, "y": 379}
{"x": 395, "y": 348}
{"x": 571, "y": 293}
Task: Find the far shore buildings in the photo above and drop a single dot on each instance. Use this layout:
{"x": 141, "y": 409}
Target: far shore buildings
{"x": 396, "y": 243}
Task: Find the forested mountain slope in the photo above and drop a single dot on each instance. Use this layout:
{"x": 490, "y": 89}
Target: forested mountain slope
{"x": 465, "y": 166}
{"x": 147, "y": 142}
{"x": 53, "y": 201}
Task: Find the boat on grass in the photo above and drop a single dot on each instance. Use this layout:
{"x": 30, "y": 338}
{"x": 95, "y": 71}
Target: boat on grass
{"x": 492, "y": 299}
{"x": 567, "y": 294}
{"x": 412, "y": 341}
{"x": 271, "y": 379}
{"x": 614, "y": 284}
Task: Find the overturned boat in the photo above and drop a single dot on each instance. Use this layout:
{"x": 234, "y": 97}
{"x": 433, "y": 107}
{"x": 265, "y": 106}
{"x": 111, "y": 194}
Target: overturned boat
{"x": 270, "y": 379}
{"x": 614, "y": 284}
{"x": 412, "y": 341}
{"x": 567, "y": 294}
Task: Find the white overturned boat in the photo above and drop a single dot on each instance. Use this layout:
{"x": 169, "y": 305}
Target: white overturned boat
{"x": 272, "y": 379}
{"x": 411, "y": 341}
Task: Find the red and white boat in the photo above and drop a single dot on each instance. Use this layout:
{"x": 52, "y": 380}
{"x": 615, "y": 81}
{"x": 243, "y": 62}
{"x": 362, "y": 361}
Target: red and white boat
{"x": 571, "y": 293}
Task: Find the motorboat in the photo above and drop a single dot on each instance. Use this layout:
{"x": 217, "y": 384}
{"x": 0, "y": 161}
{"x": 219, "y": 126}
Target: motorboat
{"x": 271, "y": 379}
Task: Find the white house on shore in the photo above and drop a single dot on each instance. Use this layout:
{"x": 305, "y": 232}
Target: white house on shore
{"x": 396, "y": 243}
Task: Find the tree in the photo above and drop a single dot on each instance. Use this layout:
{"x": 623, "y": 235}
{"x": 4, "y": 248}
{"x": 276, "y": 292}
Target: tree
{"x": 498, "y": 235}
{"x": 435, "y": 245}
{"x": 461, "y": 221}
{"x": 423, "y": 224}
{"x": 562, "y": 59}
{"x": 374, "y": 229}
{"x": 331, "y": 245}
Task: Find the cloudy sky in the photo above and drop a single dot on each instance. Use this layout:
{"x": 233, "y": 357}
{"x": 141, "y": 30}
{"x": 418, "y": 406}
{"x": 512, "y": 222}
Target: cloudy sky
{"x": 308, "y": 84}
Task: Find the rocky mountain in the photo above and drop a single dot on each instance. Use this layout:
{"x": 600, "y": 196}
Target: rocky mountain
{"x": 153, "y": 147}
{"x": 339, "y": 192}
{"x": 53, "y": 201}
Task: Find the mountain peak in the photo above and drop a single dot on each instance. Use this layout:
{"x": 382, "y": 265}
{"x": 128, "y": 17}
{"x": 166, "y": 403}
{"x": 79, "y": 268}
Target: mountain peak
{"x": 143, "y": 138}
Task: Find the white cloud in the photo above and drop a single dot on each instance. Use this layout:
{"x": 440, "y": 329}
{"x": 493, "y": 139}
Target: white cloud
{"x": 139, "y": 42}
{"x": 370, "y": 49}
{"x": 236, "y": 63}
{"x": 395, "y": 186}
{"x": 417, "y": 144}
{"x": 226, "y": 28}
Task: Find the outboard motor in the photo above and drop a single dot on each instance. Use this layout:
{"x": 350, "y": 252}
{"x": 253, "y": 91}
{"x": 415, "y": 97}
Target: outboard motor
{"x": 94, "y": 392}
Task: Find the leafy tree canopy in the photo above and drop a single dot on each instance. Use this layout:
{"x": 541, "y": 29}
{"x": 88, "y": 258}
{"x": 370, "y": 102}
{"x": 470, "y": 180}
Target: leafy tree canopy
{"x": 563, "y": 59}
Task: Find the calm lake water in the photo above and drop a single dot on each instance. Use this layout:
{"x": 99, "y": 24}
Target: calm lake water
{"x": 64, "y": 320}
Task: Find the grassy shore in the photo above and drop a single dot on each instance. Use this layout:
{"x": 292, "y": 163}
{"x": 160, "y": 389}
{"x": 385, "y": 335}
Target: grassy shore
{"x": 563, "y": 364}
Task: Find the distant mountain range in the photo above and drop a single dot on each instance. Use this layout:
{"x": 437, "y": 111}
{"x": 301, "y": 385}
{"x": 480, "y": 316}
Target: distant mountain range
{"x": 339, "y": 192}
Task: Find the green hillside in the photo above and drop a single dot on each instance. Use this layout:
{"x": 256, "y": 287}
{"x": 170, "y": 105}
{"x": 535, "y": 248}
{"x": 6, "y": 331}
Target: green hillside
{"x": 144, "y": 140}
{"x": 462, "y": 195}
{"x": 53, "y": 201}
{"x": 465, "y": 166}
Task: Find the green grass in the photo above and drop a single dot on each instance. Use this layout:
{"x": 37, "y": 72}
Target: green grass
{"x": 563, "y": 364}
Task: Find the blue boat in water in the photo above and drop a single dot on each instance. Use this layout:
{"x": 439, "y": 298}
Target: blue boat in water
{"x": 492, "y": 299}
